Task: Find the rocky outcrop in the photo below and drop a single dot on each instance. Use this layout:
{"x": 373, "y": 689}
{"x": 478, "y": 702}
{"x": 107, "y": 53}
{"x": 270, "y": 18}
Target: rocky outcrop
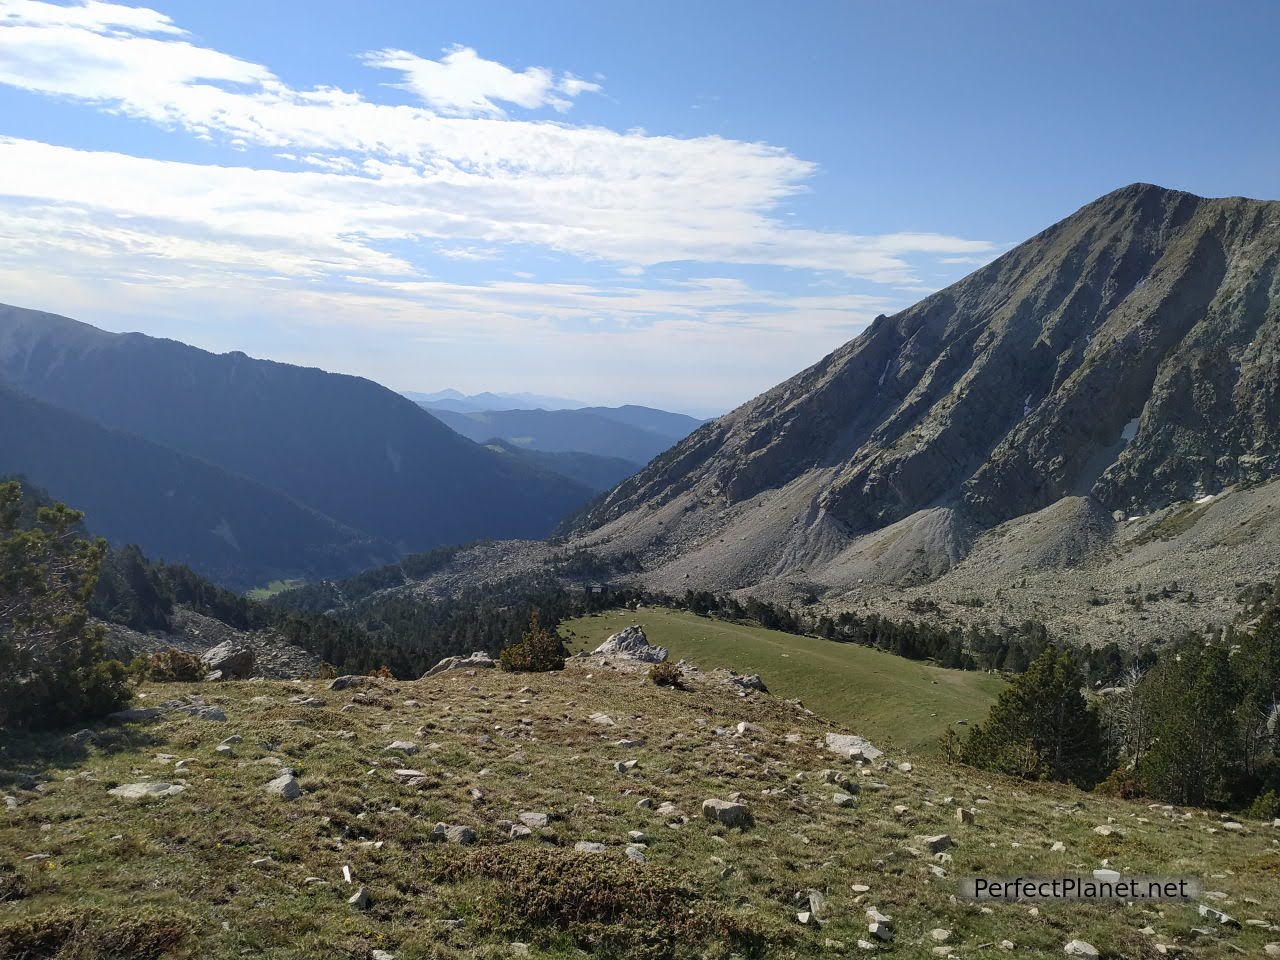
{"x": 632, "y": 644}
{"x": 477, "y": 661}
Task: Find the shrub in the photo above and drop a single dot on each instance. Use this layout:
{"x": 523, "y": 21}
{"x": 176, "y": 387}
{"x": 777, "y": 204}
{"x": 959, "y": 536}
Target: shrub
{"x": 93, "y": 935}
{"x": 169, "y": 666}
{"x": 666, "y": 674}
{"x": 538, "y": 651}
{"x": 1265, "y": 807}
{"x": 1123, "y": 784}
{"x": 382, "y": 673}
{"x": 53, "y": 668}
{"x": 610, "y": 906}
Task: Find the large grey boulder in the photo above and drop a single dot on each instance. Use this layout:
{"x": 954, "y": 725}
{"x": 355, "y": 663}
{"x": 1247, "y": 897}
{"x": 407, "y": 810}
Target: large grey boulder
{"x": 851, "y": 745}
{"x": 477, "y": 661}
{"x": 233, "y": 661}
{"x": 632, "y": 644}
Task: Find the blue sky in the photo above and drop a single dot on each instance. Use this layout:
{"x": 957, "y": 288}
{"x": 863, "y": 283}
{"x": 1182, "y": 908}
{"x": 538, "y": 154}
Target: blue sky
{"x": 668, "y": 203}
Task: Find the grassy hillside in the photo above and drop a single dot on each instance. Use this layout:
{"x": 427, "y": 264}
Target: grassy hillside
{"x": 902, "y": 702}
{"x": 223, "y": 869}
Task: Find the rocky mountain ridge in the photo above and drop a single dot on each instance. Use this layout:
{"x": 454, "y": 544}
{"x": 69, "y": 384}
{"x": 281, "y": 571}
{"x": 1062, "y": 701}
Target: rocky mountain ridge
{"x": 1127, "y": 357}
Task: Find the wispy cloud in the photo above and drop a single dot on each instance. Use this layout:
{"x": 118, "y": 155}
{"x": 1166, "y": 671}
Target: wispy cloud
{"x": 464, "y": 84}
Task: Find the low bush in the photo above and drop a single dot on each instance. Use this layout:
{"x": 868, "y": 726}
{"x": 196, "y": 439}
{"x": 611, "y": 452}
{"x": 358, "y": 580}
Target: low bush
{"x": 169, "y": 666}
{"x": 610, "y": 906}
{"x": 666, "y": 674}
{"x": 538, "y": 651}
{"x": 92, "y": 935}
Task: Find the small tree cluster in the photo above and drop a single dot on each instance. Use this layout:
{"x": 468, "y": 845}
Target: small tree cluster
{"x": 53, "y": 669}
{"x": 1041, "y": 727}
{"x": 538, "y": 651}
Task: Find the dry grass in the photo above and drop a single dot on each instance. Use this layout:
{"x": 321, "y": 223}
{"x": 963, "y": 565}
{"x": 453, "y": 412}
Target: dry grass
{"x": 529, "y": 743}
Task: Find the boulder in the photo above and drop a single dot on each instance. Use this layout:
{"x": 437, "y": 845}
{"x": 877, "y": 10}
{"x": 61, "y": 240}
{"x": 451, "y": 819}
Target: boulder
{"x": 632, "y": 644}
{"x": 461, "y": 835}
{"x": 851, "y": 745}
{"x": 284, "y": 786}
{"x": 936, "y": 844}
{"x": 588, "y": 846}
{"x": 727, "y": 812}
{"x": 477, "y": 661}
{"x": 146, "y": 791}
{"x": 233, "y": 661}
{"x": 1080, "y": 948}
{"x": 352, "y": 680}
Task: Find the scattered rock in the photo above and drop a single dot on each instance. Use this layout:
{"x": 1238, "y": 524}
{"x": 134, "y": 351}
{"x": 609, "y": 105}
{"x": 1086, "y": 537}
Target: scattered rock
{"x": 850, "y": 745}
{"x": 407, "y": 747}
{"x": 588, "y": 846}
{"x": 360, "y": 899}
{"x": 1080, "y": 948}
{"x": 843, "y": 800}
{"x": 352, "y": 680}
{"x": 938, "y": 843}
{"x": 146, "y": 791}
{"x": 534, "y": 820}
{"x": 85, "y": 737}
{"x": 285, "y": 786}
{"x": 964, "y": 816}
{"x": 727, "y": 812}
{"x": 459, "y": 834}
{"x": 477, "y": 661}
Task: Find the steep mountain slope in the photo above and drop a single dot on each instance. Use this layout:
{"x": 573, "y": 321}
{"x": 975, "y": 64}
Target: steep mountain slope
{"x": 175, "y": 507}
{"x": 342, "y": 445}
{"x": 1129, "y": 355}
{"x": 637, "y": 434}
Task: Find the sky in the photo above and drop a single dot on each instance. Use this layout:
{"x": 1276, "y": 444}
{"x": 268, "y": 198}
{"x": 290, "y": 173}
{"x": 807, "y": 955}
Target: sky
{"x": 676, "y": 204}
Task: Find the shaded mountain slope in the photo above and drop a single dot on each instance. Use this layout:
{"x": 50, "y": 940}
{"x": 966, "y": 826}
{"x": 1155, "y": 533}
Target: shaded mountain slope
{"x": 1129, "y": 354}
{"x": 175, "y": 507}
{"x": 342, "y": 445}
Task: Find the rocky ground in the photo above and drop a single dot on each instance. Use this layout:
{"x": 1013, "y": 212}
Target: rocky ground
{"x": 273, "y": 658}
{"x": 483, "y": 814}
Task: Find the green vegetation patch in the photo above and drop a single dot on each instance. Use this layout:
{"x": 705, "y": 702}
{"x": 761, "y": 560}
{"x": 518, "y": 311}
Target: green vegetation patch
{"x": 611, "y": 906}
{"x": 891, "y": 700}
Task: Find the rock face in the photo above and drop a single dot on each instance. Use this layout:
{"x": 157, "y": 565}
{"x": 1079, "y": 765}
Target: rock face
{"x": 1128, "y": 356}
{"x": 231, "y": 660}
{"x": 477, "y": 661}
{"x": 632, "y": 644}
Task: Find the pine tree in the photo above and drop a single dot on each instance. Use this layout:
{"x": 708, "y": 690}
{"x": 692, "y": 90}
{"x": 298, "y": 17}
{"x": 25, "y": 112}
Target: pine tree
{"x": 1195, "y": 754}
{"x": 1041, "y": 727}
{"x": 52, "y": 666}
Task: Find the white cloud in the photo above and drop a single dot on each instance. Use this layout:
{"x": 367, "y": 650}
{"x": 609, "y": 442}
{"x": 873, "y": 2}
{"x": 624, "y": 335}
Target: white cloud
{"x": 367, "y": 187}
{"x": 586, "y": 191}
{"x": 464, "y": 84}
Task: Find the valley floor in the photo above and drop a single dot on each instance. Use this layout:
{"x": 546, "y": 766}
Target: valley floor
{"x": 224, "y": 869}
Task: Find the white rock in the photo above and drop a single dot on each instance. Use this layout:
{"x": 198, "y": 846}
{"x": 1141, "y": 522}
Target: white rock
{"x": 1080, "y": 948}
{"x": 632, "y": 644}
{"x": 146, "y": 791}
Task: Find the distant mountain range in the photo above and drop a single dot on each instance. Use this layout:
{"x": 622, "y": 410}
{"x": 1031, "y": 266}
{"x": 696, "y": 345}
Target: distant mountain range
{"x": 469, "y": 403}
{"x": 333, "y": 470}
{"x": 632, "y": 433}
